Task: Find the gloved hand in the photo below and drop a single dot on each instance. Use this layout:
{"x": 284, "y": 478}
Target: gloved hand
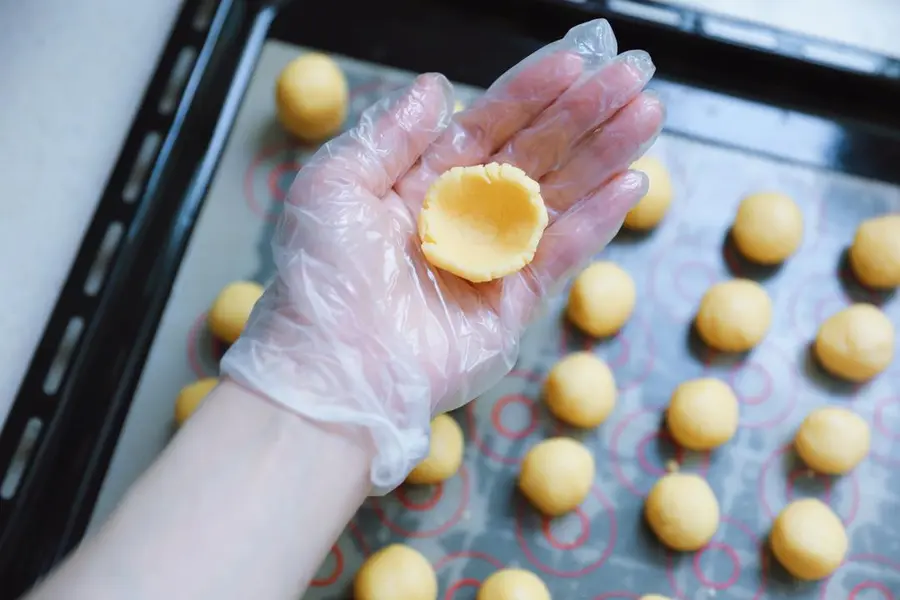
{"x": 357, "y": 328}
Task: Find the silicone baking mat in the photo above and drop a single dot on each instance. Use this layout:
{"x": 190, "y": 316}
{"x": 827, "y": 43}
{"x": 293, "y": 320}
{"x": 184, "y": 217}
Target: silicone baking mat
{"x": 475, "y": 522}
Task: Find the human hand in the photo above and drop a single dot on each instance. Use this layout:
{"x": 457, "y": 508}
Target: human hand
{"x": 357, "y": 327}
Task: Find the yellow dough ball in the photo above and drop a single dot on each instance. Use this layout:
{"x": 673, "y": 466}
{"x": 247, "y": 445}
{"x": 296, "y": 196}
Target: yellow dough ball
{"x": 190, "y": 397}
{"x": 311, "y": 97}
{"x": 580, "y": 390}
{"x": 602, "y": 299}
{"x": 768, "y": 228}
{"x": 654, "y": 597}
{"x": 808, "y": 539}
{"x": 682, "y": 511}
{"x": 734, "y": 316}
{"x": 444, "y": 454}
{"x": 557, "y": 475}
{"x": 856, "y": 343}
{"x": 875, "y": 253}
{"x": 513, "y": 584}
{"x": 651, "y": 209}
{"x": 703, "y": 414}
{"x": 832, "y": 440}
{"x": 231, "y": 309}
{"x": 483, "y": 222}
{"x": 396, "y": 572}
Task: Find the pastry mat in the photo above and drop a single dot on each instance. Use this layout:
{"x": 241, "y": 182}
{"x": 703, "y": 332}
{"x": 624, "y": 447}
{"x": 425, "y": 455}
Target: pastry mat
{"x": 475, "y": 522}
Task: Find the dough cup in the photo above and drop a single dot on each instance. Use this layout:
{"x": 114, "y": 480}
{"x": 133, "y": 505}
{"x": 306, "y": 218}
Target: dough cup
{"x": 483, "y": 222}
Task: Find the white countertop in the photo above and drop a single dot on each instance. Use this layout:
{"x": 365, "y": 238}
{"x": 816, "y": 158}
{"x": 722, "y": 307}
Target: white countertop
{"x": 71, "y": 77}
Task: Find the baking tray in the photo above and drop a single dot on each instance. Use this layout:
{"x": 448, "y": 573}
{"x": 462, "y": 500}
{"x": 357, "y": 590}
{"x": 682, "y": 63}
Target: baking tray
{"x": 731, "y": 114}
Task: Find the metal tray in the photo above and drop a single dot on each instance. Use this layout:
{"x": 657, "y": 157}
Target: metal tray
{"x": 730, "y": 112}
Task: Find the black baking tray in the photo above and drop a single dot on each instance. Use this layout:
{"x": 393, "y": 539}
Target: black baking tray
{"x": 64, "y": 425}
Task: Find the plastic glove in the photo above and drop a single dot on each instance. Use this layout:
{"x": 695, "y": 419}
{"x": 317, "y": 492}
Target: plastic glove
{"x": 357, "y": 328}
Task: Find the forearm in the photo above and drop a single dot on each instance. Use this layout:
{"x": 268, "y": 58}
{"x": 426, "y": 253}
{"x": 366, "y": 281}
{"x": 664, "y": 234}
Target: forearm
{"x": 244, "y": 503}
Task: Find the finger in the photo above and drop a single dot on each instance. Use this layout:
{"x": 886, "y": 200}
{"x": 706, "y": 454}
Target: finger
{"x": 609, "y": 151}
{"x": 547, "y": 143}
{"x": 585, "y": 229}
{"x": 510, "y": 104}
{"x": 389, "y": 139}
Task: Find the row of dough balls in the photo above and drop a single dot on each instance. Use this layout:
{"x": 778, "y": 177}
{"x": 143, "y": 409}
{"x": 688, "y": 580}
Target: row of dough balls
{"x": 225, "y": 319}
{"x": 855, "y": 344}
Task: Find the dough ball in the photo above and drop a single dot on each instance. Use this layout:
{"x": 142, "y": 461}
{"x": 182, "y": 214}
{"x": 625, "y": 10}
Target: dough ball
{"x": 513, "y": 584}
{"x": 875, "y": 253}
{"x": 856, "y": 343}
{"x": 682, "y": 511}
{"x": 557, "y": 475}
{"x": 311, "y": 97}
{"x": 483, "y": 222}
{"x": 808, "y": 539}
{"x": 396, "y": 572}
{"x": 444, "y": 454}
{"x": 703, "y": 414}
{"x": 651, "y": 209}
{"x": 190, "y": 397}
{"x": 832, "y": 440}
{"x": 734, "y": 315}
{"x": 580, "y": 390}
{"x": 602, "y": 299}
{"x": 768, "y": 228}
{"x": 231, "y": 309}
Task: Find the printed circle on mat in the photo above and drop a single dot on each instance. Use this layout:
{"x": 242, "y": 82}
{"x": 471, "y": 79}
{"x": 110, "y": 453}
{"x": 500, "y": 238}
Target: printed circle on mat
{"x": 466, "y": 569}
{"x": 640, "y": 448}
{"x": 431, "y": 515}
{"x": 813, "y": 300}
{"x": 269, "y": 177}
{"x": 682, "y": 272}
{"x": 732, "y": 561}
{"x": 630, "y": 353}
{"x": 572, "y": 545}
{"x": 864, "y": 577}
{"x": 767, "y": 387}
{"x": 347, "y": 554}
{"x": 204, "y": 350}
{"x": 504, "y": 428}
{"x": 783, "y": 478}
{"x": 886, "y": 431}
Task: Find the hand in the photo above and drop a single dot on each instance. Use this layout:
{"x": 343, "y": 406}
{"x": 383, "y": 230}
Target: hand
{"x": 357, "y": 328}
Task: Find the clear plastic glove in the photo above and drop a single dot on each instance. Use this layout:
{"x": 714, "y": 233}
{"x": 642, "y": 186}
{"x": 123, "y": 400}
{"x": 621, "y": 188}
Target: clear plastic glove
{"x": 357, "y": 328}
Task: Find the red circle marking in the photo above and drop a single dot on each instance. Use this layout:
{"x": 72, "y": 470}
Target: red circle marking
{"x": 871, "y": 585}
{"x": 768, "y": 385}
{"x": 800, "y": 299}
{"x": 735, "y": 566}
{"x": 641, "y": 451}
{"x": 644, "y": 463}
{"x": 761, "y": 487}
{"x": 195, "y": 353}
{"x": 335, "y": 573}
{"x": 661, "y": 290}
{"x": 790, "y": 395}
{"x": 437, "y": 492}
{"x": 732, "y": 555}
{"x": 497, "y": 420}
{"x": 683, "y": 289}
{"x": 793, "y": 475}
{"x": 273, "y": 181}
{"x": 358, "y": 536}
{"x": 458, "y": 585}
{"x": 880, "y": 422}
{"x": 584, "y": 527}
{"x": 586, "y": 568}
{"x": 447, "y": 558}
{"x": 267, "y": 153}
{"x": 425, "y": 533}
{"x": 860, "y": 558}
